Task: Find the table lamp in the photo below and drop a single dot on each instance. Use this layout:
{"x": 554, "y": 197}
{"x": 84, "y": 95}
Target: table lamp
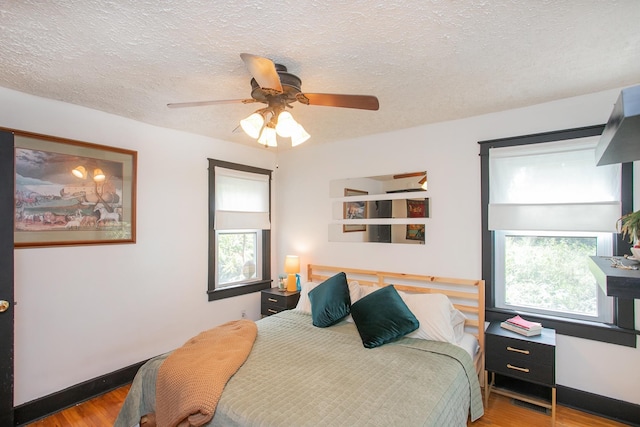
{"x": 291, "y": 267}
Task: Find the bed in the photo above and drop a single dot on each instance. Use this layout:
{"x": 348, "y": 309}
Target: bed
{"x": 300, "y": 374}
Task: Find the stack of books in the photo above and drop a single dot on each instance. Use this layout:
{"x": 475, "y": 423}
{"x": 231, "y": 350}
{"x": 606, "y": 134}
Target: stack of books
{"x": 521, "y": 326}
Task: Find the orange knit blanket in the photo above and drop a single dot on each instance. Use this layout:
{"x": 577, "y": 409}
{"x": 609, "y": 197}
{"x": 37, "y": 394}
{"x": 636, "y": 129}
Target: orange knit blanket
{"x": 191, "y": 379}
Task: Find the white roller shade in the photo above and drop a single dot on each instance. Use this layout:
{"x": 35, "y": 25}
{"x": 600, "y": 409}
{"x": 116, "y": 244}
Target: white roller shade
{"x": 554, "y": 186}
{"x": 241, "y": 200}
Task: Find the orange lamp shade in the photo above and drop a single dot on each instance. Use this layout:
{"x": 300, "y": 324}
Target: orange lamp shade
{"x": 291, "y": 267}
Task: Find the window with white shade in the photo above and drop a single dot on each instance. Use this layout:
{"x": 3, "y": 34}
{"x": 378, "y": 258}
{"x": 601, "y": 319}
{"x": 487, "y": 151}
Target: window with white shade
{"x": 546, "y": 210}
{"x": 239, "y": 239}
{"x": 550, "y": 208}
{"x": 242, "y": 199}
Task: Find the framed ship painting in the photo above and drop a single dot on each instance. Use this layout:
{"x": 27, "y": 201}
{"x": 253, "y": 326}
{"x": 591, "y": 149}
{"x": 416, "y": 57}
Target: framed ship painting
{"x": 72, "y": 193}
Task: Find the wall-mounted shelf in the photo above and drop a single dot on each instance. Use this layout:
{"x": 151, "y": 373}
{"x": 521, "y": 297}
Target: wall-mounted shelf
{"x": 385, "y": 196}
{"x": 616, "y": 282}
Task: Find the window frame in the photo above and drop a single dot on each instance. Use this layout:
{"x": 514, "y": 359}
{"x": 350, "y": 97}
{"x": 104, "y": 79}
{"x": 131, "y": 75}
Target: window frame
{"x": 213, "y": 292}
{"x": 621, "y": 331}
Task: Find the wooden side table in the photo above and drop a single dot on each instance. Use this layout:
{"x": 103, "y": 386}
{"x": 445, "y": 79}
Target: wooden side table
{"x": 274, "y": 300}
{"x": 527, "y": 360}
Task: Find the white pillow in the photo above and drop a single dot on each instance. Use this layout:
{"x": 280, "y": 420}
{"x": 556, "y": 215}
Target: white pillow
{"x": 362, "y": 291}
{"x": 366, "y": 290}
{"x": 439, "y": 319}
{"x": 304, "y": 303}
{"x": 354, "y": 291}
{"x": 470, "y": 344}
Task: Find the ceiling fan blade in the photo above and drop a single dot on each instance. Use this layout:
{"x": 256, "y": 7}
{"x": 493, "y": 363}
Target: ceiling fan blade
{"x": 263, "y": 70}
{"x": 363, "y": 102}
{"x": 203, "y": 103}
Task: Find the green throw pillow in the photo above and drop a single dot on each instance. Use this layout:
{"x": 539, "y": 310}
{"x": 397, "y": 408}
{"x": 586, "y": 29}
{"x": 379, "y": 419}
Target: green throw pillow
{"x": 382, "y": 316}
{"x": 330, "y": 301}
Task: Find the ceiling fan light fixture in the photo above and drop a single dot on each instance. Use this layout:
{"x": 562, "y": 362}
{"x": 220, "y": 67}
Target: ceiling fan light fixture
{"x": 299, "y": 135}
{"x": 273, "y": 85}
{"x": 268, "y": 137}
{"x": 252, "y": 125}
{"x": 286, "y": 124}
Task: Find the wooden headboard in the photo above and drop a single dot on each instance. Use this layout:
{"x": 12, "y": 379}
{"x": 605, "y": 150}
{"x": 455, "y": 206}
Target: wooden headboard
{"x": 465, "y": 294}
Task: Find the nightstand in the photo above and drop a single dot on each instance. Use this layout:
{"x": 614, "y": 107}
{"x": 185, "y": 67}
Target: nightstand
{"x": 274, "y": 300}
{"x": 528, "y": 363}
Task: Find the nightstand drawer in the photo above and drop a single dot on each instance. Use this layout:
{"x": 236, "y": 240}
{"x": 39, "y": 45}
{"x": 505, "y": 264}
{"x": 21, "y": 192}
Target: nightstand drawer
{"x": 527, "y": 371}
{"x": 268, "y": 310}
{"x": 521, "y": 351}
{"x": 280, "y": 300}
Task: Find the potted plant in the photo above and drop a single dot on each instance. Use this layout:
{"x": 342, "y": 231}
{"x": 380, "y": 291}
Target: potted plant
{"x": 629, "y": 226}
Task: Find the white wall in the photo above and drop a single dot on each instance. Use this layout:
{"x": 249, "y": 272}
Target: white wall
{"x": 89, "y": 310}
{"x": 449, "y": 153}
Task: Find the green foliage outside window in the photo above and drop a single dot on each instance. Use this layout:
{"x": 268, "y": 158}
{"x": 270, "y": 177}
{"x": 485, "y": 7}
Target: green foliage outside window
{"x": 551, "y": 273}
{"x": 236, "y": 257}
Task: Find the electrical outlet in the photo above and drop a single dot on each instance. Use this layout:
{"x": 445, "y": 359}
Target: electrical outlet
{"x": 243, "y": 314}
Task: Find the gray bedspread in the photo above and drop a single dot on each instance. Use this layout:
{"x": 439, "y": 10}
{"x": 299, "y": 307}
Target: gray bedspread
{"x": 301, "y": 375}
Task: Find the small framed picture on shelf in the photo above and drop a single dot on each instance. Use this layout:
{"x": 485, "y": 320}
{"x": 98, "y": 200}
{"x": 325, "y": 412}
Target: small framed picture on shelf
{"x": 415, "y": 232}
{"x": 418, "y": 208}
{"x": 354, "y": 210}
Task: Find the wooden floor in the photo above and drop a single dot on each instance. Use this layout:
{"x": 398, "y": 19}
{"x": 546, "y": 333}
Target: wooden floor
{"x": 103, "y": 410}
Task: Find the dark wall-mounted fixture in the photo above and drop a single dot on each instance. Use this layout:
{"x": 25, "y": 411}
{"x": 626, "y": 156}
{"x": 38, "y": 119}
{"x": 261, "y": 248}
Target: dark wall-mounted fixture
{"x": 620, "y": 140}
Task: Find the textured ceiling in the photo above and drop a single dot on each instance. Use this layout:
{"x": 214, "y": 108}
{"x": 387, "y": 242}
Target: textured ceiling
{"x": 426, "y": 61}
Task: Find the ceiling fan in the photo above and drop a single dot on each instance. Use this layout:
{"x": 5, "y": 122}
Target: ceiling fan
{"x": 273, "y": 85}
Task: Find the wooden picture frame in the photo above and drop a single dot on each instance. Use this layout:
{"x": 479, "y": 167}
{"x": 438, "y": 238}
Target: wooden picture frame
{"x": 418, "y": 208}
{"x": 71, "y": 193}
{"x": 415, "y": 232}
{"x": 354, "y": 210}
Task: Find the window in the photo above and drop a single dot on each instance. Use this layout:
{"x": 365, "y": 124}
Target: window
{"x": 239, "y": 238}
{"x": 547, "y": 273}
{"x": 546, "y": 208}
{"x": 547, "y": 203}
{"x": 238, "y": 257}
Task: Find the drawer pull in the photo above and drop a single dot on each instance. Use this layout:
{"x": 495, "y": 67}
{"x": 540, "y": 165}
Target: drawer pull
{"x": 517, "y": 350}
{"x": 273, "y": 300}
{"x": 271, "y": 310}
{"x": 510, "y": 366}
